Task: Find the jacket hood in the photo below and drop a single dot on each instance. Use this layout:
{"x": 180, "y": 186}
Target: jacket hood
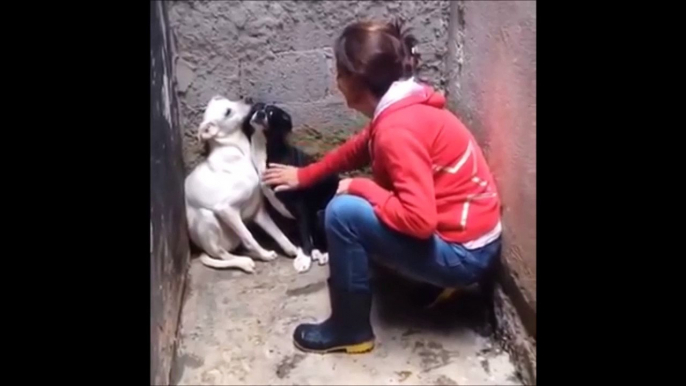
{"x": 409, "y": 92}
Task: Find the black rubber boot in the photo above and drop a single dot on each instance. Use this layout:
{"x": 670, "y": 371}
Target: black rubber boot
{"x": 347, "y": 329}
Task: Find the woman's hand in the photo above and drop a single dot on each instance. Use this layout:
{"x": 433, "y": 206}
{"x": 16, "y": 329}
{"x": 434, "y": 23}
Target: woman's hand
{"x": 344, "y": 185}
{"x": 284, "y": 177}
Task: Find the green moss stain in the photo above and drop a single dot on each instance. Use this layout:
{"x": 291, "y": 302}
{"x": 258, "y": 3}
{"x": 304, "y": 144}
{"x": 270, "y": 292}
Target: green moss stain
{"x": 318, "y": 142}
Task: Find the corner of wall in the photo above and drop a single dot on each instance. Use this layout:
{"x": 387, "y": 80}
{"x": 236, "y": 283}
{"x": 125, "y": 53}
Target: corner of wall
{"x": 512, "y": 334}
{"x": 483, "y": 85}
{"x": 169, "y": 247}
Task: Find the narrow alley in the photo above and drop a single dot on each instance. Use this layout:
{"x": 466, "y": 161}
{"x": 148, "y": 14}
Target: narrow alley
{"x": 236, "y": 329}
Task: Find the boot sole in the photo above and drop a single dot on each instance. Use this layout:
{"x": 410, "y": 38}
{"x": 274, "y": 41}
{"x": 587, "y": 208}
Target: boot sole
{"x": 359, "y": 348}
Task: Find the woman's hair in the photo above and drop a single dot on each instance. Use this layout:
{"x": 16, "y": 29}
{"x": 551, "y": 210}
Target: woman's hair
{"x": 376, "y": 54}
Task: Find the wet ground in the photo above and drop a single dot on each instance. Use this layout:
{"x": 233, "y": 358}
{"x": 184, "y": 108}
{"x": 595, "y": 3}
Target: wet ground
{"x": 236, "y": 329}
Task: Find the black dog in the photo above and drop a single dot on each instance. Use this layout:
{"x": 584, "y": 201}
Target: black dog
{"x": 305, "y": 206}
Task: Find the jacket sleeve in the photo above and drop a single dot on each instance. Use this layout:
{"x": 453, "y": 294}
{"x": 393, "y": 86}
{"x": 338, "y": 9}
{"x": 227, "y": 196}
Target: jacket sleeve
{"x": 410, "y": 208}
{"x": 353, "y": 154}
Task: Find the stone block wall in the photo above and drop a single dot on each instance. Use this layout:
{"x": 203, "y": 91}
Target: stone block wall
{"x": 281, "y": 52}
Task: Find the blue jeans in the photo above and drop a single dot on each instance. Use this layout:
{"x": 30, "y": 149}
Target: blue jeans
{"x": 354, "y": 234}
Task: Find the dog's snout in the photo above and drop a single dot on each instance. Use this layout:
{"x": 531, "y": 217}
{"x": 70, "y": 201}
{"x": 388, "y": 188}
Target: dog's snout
{"x": 260, "y": 115}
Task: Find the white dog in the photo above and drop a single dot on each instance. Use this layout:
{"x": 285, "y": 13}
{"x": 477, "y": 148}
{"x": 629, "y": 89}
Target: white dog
{"x": 224, "y": 191}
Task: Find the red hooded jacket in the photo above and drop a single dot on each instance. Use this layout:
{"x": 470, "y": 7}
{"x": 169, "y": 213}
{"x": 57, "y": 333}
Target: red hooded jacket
{"x": 430, "y": 175}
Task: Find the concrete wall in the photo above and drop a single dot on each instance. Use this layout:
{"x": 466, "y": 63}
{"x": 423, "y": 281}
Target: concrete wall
{"x": 281, "y": 52}
{"x": 169, "y": 252}
{"x": 492, "y": 85}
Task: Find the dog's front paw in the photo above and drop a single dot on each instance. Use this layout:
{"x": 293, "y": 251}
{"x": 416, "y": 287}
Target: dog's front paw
{"x": 246, "y": 264}
{"x": 302, "y": 262}
{"x": 322, "y": 258}
{"x": 292, "y": 252}
{"x": 268, "y": 255}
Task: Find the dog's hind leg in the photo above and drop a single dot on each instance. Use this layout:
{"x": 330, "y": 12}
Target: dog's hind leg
{"x": 321, "y": 257}
{"x": 215, "y": 244}
{"x": 229, "y": 261}
{"x": 233, "y": 220}
{"x": 304, "y": 227}
{"x": 303, "y": 260}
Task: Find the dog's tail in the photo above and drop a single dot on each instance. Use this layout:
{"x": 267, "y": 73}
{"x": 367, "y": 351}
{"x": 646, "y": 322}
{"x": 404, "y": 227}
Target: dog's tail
{"x": 215, "y": 263}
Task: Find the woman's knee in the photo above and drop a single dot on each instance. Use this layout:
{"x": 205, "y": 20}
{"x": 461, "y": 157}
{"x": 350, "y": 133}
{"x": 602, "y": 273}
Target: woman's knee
{"x": 347, "y": 209}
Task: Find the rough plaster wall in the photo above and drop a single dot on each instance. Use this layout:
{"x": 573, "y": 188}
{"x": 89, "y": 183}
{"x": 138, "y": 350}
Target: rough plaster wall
{"x": 513, "y": 336}
{"x": 492, "y": 86}
{"x": 169, "y": 254}
{"x": 281, "y": 52}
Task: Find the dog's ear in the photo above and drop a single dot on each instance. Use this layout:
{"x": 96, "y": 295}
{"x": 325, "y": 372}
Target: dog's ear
{"x": 246, "y": 126}
{"x": 207, "y": 130}
{"x": 285, "y": 120}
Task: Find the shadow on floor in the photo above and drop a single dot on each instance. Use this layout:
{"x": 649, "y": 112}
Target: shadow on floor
{"x": 400, "y": 302}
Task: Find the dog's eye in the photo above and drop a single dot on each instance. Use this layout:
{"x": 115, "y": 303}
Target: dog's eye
{"x": 228, "y": 112}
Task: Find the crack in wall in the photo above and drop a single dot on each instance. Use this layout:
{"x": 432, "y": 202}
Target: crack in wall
{"x": 455, "y": 60}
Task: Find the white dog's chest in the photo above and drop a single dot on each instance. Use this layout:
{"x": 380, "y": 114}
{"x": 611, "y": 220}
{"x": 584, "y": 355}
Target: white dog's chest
{"x": 212, "y": 185}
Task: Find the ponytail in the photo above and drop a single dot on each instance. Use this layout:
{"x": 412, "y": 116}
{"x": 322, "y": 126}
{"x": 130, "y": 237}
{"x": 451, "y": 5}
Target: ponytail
{"x": 376, "y": 54}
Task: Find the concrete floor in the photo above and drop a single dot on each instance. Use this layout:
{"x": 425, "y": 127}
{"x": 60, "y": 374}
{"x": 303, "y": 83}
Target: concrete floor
{"x": 236, "y": 329}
